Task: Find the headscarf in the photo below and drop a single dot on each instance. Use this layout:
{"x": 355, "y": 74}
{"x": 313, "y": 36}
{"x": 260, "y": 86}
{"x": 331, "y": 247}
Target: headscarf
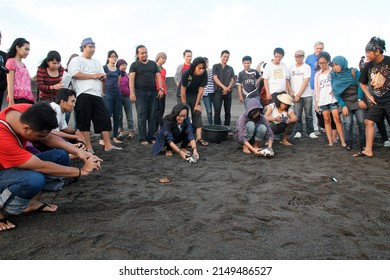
{"x": 343, "y": 79}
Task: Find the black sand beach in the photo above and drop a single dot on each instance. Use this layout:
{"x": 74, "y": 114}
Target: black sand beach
{"x": 226, "y": 206}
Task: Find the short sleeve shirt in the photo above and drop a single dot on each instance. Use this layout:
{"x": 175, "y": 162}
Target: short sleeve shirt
{"x": 145, "y": 74}
{"x": 377, "y": 77}
{"x": 11, "y": 153}
{"x": 61, "y": 117}
{"x": 224, "y": 74}
{"x": 192, "y": 83}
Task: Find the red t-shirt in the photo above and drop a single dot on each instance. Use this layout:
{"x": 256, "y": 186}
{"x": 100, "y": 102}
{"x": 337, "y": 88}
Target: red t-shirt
{"x": 11, "y": 154}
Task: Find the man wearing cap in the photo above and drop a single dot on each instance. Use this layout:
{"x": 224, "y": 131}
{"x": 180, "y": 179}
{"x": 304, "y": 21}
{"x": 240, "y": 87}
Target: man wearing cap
{"x": 276, "y": 75}
{"x": 87, "y": 74}
{"x": 300, "y": 74}
{"x": 375, "y": 83}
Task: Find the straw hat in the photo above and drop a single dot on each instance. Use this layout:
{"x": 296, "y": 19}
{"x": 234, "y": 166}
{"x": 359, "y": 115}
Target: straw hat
{"x": 285, "y": 98}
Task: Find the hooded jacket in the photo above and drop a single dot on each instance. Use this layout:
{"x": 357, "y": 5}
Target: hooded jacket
{"x": 240, "y": 134}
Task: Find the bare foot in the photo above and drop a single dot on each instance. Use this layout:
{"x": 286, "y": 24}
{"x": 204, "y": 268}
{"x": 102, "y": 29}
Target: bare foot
{"x": 168, "y": 153}
{"x": 36, "y": 206}
{"x": 285, "y": 142}
{"x": 101, "y": 142}
{"x": 115, "y": 140}
{"x": 246, "y": 150}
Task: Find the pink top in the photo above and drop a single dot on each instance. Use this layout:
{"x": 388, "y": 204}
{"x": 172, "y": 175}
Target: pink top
{"x": 22, "y": 80}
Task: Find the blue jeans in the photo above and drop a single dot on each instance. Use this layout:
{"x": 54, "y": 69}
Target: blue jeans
{"x": 348, "y": 127}
{"x": 255, "y": 133}
{"x": 208, "y": 103}
{"x": 128, "y": 107}
{"x": 113, "y": 104}
{"x": 305, "y": 103}
{"x": 226, "y": 99}
{"x": 146, "y": 103}
{"x": 18, "y": 186}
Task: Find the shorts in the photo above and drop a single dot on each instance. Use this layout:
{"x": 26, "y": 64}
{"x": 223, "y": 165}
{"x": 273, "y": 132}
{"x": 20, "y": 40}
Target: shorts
{"x": 91, "y": 108}
{"x": 377, "y": 113}
{"x": 329, "y": 107}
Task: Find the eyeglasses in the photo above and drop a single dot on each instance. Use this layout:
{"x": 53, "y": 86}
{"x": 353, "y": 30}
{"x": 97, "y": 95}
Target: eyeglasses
{"x": 298, "y": 56}
{"x": 114, "y": 56}
{"x": 182, "y": 117}
{"x": 322, "y": 63}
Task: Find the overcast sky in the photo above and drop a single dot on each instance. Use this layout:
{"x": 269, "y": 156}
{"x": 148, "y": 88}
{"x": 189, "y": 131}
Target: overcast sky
{"x": 250, "y": 27}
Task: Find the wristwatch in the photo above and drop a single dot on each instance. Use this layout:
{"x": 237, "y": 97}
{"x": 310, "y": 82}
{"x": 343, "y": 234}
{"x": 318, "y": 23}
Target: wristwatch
{"x": 161, "y": 89}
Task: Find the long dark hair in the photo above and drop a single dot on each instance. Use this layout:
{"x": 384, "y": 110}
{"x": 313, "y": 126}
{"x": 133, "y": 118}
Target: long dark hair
{"x": 18, "y": 42}
{"x": 52, "y": 55}
{"x": 171, "y": 118}
{"x": 195, "y": 62}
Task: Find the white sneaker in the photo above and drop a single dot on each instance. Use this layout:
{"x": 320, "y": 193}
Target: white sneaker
{"x": 317, "y": 132}
{"x": 313, "y": 135}
{"x": 298, "y": 135}
{"x": 386, "y": 144}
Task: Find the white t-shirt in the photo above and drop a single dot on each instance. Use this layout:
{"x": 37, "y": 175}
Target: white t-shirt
{"x": 275, "y": 112}
{"x": 297, "y": 77}
{"x": 324, "y": 89}
{"x": 60, "y": 117}
{"x": 276, "y": 76}
{"x": 86, "y": 66}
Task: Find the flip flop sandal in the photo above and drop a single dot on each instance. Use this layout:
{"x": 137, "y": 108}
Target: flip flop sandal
{"x": 361, "y": 154}
{"x": 202, "y": 142}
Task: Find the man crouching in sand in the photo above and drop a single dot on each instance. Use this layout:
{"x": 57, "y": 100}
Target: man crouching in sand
{"x": 24, "y": 176}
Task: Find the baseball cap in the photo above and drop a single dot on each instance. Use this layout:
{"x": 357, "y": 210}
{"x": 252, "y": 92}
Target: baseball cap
{"x": 300, "y": 52}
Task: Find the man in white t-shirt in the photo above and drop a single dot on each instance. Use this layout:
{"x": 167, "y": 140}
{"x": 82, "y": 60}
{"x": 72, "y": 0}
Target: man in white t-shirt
{"x": 275, "y": 76}
{"x": 65, "y": 102}
{"x": 87, "y": 75}
{"x": 300, "y": 74}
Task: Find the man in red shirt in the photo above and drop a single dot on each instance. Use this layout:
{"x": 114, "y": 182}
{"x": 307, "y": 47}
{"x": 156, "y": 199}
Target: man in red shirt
{"x": 23, "y": 176}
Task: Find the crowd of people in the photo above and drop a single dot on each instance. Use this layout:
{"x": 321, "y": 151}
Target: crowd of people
{"x": 37, "y": 143}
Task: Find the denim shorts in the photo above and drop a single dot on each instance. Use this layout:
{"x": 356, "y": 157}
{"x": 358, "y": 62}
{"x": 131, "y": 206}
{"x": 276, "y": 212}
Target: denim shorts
{"x": 328, "y": 107}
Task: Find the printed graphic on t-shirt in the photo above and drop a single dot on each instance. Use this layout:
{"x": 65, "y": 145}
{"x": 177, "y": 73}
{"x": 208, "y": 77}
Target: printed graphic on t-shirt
{"x": 380, "y": 79}
{"x": 278, "y": 74}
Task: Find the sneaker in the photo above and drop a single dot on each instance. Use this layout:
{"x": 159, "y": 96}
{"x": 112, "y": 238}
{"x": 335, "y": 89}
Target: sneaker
{"x": 313, "y": 135}
{"x": 386, "y": 144}
{"x": 317, "y": 132}
{"x": 298, "y": 135}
